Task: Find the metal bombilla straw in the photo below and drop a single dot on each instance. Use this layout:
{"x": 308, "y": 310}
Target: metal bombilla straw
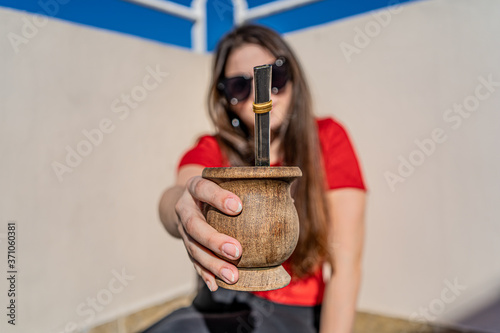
{"x": 261, "y": 107}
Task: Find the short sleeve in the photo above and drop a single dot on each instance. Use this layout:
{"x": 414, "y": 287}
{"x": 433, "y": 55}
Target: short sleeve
{"x": 340, "y": 161}
{"x": 206, "y": 152}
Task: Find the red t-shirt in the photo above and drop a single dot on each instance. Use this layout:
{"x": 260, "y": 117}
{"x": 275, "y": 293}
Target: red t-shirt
{"x": 341, "y": 170}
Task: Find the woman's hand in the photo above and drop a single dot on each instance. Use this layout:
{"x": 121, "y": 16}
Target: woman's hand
{"x": 201, "y": 240}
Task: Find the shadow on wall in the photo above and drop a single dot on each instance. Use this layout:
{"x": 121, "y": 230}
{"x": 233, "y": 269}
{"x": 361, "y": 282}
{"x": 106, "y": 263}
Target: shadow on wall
{"x": 486, "y": 318}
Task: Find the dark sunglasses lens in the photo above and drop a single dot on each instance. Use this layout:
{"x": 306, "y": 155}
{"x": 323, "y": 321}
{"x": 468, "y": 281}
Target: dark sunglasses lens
{"x": 280, "y": 75}
{"x": 237, "y": 89}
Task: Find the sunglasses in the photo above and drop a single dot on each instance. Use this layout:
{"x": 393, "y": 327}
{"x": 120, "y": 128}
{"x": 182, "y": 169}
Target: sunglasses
{"x": 236, "y": 89}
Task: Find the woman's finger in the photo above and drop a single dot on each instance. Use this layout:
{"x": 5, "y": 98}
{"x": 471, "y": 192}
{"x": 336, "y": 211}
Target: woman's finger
{"x": 207, "y": 191}
{"x": 208, "y": 261}
{"x": 193, "y": 223}
{"x": 206, "y": 275}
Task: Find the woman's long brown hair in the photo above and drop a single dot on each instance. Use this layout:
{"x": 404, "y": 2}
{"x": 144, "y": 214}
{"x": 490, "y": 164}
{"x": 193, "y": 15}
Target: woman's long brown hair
{"x": 299, "y": 143}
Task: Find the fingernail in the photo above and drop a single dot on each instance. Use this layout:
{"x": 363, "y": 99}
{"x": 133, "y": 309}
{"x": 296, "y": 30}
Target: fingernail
{"x": 209, "y": 285}
{"x": 233, "y": 205}
{"x": 227, "y": 274}
{"x": 231, "y": 250}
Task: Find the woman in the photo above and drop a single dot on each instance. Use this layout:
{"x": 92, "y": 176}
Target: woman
{"x": 330, "y": 200}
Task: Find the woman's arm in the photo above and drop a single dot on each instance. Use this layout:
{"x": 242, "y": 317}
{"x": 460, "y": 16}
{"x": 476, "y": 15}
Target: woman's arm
{"x": 347, "y": 208}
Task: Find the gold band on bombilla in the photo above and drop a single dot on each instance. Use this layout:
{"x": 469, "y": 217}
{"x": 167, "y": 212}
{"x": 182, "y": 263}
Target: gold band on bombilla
{"x": 265, "y": 107}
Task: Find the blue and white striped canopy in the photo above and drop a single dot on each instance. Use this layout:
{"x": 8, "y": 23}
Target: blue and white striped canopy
{"x": 196, "y": 24}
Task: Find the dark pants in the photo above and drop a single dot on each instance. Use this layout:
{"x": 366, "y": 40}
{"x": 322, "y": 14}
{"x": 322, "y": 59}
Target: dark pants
{"x": 228, "y": 311}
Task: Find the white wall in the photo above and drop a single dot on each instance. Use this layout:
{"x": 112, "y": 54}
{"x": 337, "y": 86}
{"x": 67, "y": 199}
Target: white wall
{"x": 440, "y": 224}
{"x": 103, "y": 215}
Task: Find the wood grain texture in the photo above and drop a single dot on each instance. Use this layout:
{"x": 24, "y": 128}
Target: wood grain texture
{"x": 267, "y": 227}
